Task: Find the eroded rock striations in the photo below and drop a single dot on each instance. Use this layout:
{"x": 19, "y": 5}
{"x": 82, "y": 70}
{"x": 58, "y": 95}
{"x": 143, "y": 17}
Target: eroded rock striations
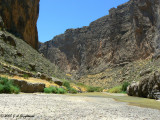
{"x": 20, "y": 18}
{"x": 130, "y": 32}
{"x": 148, "y": 87}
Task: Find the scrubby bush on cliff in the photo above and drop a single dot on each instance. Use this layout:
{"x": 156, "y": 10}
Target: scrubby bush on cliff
{"x": 67, "y": 85}
{"x": 94, "y": 89}
{"x": 7, "y": 86}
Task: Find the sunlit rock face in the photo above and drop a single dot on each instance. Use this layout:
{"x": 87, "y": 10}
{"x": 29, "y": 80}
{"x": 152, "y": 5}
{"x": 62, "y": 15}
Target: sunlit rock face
{"x": 20, "y": 18}
{"x": 130, "y": 32}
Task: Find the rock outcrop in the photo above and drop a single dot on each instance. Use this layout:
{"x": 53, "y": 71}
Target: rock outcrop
{"x": 57, "y": 81}
{"x": 148, "y": 87}
{"x": 27, "y": 87}
{"x": 20, "y": 18}
{"x": 130, "y": 32}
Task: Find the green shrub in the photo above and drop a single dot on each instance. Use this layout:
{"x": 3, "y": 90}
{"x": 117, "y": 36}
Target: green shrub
{"x": 120, "y": 89}
{"x": 94, "y": 89}
{"x": 61, "y": 91}
{"x": 25, "y": 76}
{"x": 7, "y": 86}
{"x": 51, "y": 90}
{"x": 14, "y": 89}
{"x": 73, "y": 91}
{"x": 67, "y": 85}
{"x": 90, "y": 89}
{"x": 124, "y": 86}
{"x": 98, "y": 89}
{"x": 48, "y": 90}
{"x": 117, "y": 89}
{"x": 1, "y": 88}
{"x": 54, "y": 90}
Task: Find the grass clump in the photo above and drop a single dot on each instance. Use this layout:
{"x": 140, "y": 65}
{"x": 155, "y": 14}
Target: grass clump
{"x": 94, "y": 89}
{"x": 7, "y": 86}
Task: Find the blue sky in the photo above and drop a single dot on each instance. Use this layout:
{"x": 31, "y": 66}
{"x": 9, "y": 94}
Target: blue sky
{"x": 58, "y": 15}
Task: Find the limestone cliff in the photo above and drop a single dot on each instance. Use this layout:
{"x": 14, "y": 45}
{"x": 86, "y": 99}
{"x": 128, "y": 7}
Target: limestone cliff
{"x": 20, "y": 18}
{"x": 130, "y": 32}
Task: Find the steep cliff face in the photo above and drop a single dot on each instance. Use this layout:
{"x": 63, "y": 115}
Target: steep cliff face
{"x": 20, "y": 18}
{"x": 18, "y": 24}
{"x": 130, "y": 32}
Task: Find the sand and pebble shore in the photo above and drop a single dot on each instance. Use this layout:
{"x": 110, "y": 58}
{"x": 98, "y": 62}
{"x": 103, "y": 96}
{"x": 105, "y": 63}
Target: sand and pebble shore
{"x": 64, "y": 107}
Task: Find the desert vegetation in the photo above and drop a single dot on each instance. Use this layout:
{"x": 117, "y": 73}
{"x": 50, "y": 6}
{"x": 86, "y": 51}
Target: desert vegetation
{"x": 55, "y": 90}
{"x": 119, "y": 89}
{"x": 7, "y": 86}
{"x": 69, "y": 88}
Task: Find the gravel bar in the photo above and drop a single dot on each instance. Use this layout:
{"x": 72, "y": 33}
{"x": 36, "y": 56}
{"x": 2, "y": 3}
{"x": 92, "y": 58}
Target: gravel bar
{"x": 64, "y": 107}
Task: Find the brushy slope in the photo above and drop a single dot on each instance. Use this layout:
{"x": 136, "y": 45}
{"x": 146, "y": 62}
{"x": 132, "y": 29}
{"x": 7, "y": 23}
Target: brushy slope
{"x": 114, "y": 76}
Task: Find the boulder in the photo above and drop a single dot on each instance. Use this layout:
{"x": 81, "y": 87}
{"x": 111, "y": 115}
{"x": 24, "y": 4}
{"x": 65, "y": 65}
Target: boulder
{"x": 27, "y": 87}
{"x": 157, "y": 95}
{"x": 43, "y": 76}
{"x": 132, "y": 90}
{"x": 148, "y": 87}
{"x": 142, "y": 73}
{"x": 57, "y": 81}
{"x": 38, "y": 75}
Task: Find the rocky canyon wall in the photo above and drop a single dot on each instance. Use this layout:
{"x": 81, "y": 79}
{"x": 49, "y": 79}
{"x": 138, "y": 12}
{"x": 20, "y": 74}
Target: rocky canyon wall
{"x": 20, "y": 18}
{"x": 19, "y": 41}
{"x": 130, "y": 32}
